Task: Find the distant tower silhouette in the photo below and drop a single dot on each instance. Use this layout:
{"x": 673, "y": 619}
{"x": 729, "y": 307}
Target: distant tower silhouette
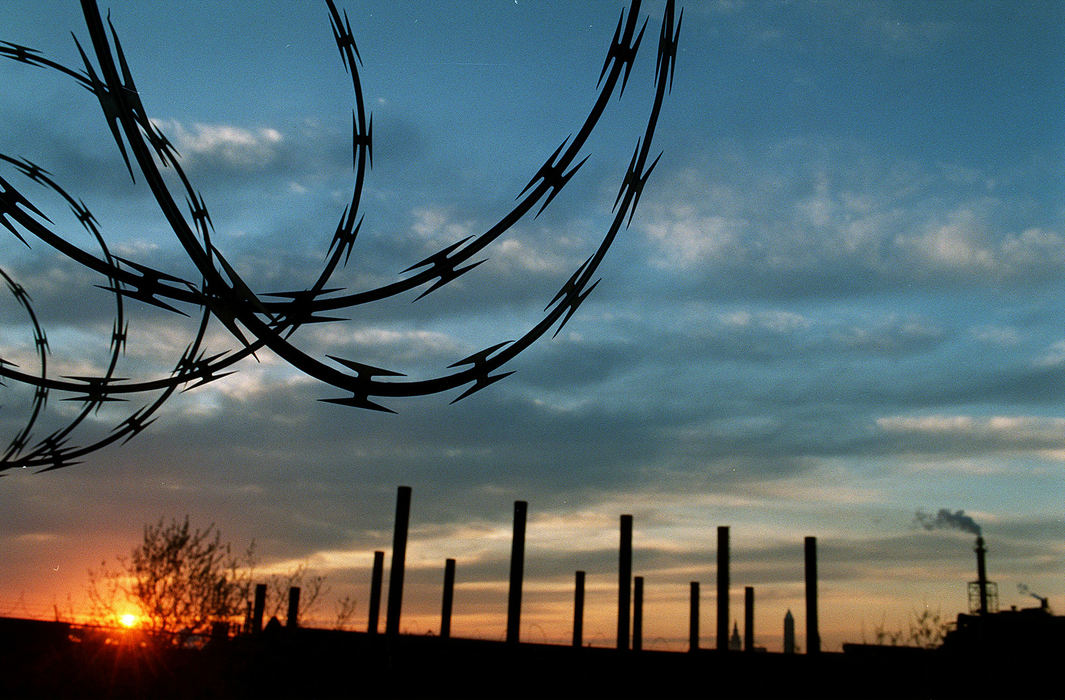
{"x": 789, "y": 633}
{"x": 734, "y": 641}
{"x": 722, "y": 587}
{"x": 983, "y": 594}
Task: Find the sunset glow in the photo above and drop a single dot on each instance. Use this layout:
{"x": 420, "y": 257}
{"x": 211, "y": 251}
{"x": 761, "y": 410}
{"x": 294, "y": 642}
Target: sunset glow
{"x": 838, "y": 303}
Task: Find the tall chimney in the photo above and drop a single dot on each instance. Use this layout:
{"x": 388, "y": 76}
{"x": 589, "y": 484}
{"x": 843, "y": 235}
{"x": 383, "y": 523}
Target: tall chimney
{"x": 517, "y": 573}
{"x": 693, "y": 618}
{"x": 624, "y": 581}
{"x": 748, "y": 618}
{"x": 578, "y": 610}
{"x": 637, "y": 613}
{"x": 722, "y": 588}
{"x": 813, "y": 637}
{"x": 399, "y": 559}
{"x": 292, "y": 619}
{"x": 981, "y": 573}
{"x": 375, "y": 591}
{"x": 448, "y": 599}
{"x": 260, "y": 607}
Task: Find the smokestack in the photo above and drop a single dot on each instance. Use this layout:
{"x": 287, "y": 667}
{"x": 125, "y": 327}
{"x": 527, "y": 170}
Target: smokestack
{"x": 981, "y": 573}
{"x": 375, "y": 591}
{"x": 292, "y": 619}
{"x": 748, "y": 618}
{"x": 813, "y": 637}
{"x": 578, "y": 610}
{"x": 637, "y": 613}
{"x": 260, "y": 607}
{"x": 448, "y": 599}
{"x": 399, "y": 559}
{"x": 517, "y": 573}
{"x": 722, "y": 588}
{"x": 693, "y": 618}
{"x": 624, "y": 581}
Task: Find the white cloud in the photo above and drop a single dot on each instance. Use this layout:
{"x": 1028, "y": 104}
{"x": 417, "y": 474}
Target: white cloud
{"x": 996, "y": 335}
{"x": 1013, "y": 429}
{"x": 1034, "y": 247}
{"x": 891, "y": 334}
{"x": 861, "y": 222}
{"x": 438, "y": 224}
{"x": 777, "y": 321}
{"x": 926, "y": 424}
{"x": 688, "y": 237}
{"x": 960, "y": 243}
{"x": 233, "y": 146}
{"x": 515, "y": 254}
{"x": 385, "y": 338}
{"x": 966, "y": 243}
{"x": 377, "y": 345}
{"x": 1054, "y": 356}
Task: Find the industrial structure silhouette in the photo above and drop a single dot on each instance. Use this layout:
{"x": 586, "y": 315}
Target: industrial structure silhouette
{"x": 275, "y": 659}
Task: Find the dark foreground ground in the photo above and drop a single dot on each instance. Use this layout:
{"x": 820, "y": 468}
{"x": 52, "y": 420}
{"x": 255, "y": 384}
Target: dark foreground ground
{"x": 41, "y": 660}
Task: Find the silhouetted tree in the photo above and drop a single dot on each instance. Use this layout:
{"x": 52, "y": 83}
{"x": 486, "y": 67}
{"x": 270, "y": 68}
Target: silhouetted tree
{"x": 345, "y": 611}
{"x": 179, "y": 579}
{"x": 311, "y": 586}
{"x": 927, "y": 628}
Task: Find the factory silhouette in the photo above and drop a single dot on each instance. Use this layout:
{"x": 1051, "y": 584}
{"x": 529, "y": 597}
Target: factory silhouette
{"x": 988, "y": 653}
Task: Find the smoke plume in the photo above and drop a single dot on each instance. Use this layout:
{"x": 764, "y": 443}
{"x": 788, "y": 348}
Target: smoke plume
{"x": 946, "y": 520}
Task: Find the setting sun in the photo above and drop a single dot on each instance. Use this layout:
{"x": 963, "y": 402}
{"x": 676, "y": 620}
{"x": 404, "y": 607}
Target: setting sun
{"x": 128, "y": 620}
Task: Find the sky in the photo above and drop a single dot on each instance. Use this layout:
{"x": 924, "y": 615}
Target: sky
{"x": 837, "y": 305}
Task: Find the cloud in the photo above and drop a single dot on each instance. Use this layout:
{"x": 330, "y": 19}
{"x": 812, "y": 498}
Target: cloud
{"x": 963, "y": 245}
{"x": 439, "y": 226}
{"x": 1053, "y": 357}
{"x": 224, "y": 145}
{"x": 689, "y": 238}
{"x": 801, "y": 219}
{"x": 976, "y": 434}
{"x": 1005, "y": 336}
{"x": 775, "y": 321}
{"x": 890, "y": 336}
{"x": 888, "y": 28}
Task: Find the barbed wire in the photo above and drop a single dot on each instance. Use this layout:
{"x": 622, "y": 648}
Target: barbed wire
{"x": 268, "y": 321}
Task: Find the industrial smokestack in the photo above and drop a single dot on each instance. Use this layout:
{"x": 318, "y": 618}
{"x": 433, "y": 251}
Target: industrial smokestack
{"x": 637, "y": 613}
{"x": 693, "y": 618}
{"x": 260, "y": 607}
{"x": 722, "y": 587}
{"x": 292, "y": 619}
{"x": 399, "y": 559}
{"x": 813, "y": 636}
{"x": 517, "y": 572}
{"x": 578, "y": 610}
{"x": 448, "y": 599}
{"x": 748, "y": 618}
{"x": 624, "y": 581}
{"x": 375, "y": 591}
{"x": 981, "y": 573}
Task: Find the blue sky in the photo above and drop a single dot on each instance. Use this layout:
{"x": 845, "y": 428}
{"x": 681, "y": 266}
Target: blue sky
{"x": 838, "y": 301}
